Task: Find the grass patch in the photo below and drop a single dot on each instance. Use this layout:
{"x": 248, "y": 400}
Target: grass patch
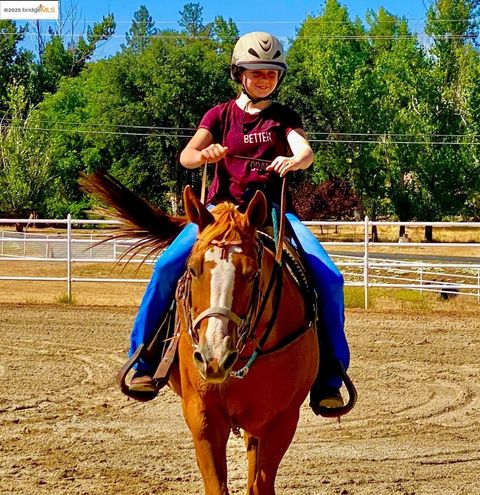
{"x": 390, "y": 233}
{"x": 354, "y": 297}
{"x": 64, "y": 299}
{"x": 404, "y": 299}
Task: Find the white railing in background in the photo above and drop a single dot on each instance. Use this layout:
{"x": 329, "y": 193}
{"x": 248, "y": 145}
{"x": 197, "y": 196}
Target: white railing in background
{"x": 362, "y": 269}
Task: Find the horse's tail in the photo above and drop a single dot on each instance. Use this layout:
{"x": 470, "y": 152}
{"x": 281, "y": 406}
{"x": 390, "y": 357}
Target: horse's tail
{"x": 154, "y": 228}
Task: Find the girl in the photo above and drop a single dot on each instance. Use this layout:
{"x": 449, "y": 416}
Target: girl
{"x": 239, "y": 136}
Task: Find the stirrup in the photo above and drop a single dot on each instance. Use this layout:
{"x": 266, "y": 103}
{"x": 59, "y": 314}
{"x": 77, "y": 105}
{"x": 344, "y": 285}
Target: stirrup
{"x": 336, "y": 412}
{"x": 122, "y": 375}
{"x": 168, "y": 328}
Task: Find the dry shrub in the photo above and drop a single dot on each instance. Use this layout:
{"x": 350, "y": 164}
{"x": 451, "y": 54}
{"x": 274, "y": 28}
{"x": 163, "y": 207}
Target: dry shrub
{"x": 332, "y": 199}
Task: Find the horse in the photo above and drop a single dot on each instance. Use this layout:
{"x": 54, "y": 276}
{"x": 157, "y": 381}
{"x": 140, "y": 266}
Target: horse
{"x": 248, "y": 351}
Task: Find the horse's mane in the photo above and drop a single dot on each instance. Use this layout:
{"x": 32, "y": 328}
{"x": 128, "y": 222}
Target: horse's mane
{"x": 229, "y": 227}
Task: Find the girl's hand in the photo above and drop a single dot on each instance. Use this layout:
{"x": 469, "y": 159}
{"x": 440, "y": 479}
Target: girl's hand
{"x": 282, "y": 165}
{"x": 214, "y": 153}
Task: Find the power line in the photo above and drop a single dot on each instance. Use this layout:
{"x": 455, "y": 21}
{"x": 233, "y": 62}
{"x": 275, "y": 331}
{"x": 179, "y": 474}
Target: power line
{"x": 184, "y": 136}
{"x": 385, "y": 143}
{"x": 103, "y": 125}
{"x": 383, "y": 135}
{"x": 389, "y": 134}
{"x": 353, "y": 37}
{"x": 311, "y": 19}
{"x": 90, "y": 131}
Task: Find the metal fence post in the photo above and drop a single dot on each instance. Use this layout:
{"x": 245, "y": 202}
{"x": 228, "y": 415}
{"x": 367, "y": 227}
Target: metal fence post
{"x": 421, "y": 276}
{"x": 69, "y": 257}
{"x": 365, "y": 263}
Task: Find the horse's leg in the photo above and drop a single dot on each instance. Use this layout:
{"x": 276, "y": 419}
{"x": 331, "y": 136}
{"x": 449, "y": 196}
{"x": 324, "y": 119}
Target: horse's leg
{"x": 251, "y": 444}
{"x": 272, "y": 446}
{"x": 210, "y": 433}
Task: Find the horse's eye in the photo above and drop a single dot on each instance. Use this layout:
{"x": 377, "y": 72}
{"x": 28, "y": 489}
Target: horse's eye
{"x": 192, "y": 272}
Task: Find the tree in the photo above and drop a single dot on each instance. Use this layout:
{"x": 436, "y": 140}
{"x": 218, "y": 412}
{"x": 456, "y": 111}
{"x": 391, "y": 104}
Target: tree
{"x": 399, "y": 89}
{"x": 327, "y": 83}
{"x": 179, "y": 81}
{"x": 25, "y": 166}
{"x": 446, "y": 178}
{"x": 383, "y": 108}
{"x": 225, "y": 33}
{"x": 60, "y": 59}
{"x": 131, "y": 115}
{"x": 140, "y": 32}
{"x": 332, "y": 199}
{"x": 191, "y": 19}
{"x": 470, "y": 77}
{"x": 15, "y": 63}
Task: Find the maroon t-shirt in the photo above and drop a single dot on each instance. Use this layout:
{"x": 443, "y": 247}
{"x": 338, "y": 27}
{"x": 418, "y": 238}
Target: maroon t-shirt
{"x": 262, "y": 136}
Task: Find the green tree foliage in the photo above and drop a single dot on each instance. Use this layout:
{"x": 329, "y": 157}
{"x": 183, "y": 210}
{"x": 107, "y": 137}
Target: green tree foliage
{"x": 328, "y": 66}
{"x": 394, "y": 122}
{"x": 446, "y": 177}
{"x": 132, "y": 114}
{"x": 225, "y": 33}
{"x": 15, "y": 62}
{"x": 59, "y": 58}
{"x": 470, "y": 81}
{"x": 399, "y": 88}
{"x": 191, "y": 20}
{"x": 141, "y": 31}
{"x": 383, "y": 107}
{"x": 25, "y": 165}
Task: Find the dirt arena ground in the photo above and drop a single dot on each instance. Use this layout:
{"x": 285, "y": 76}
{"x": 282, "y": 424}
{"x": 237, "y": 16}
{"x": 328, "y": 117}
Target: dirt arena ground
{"x": 66, "y": 429}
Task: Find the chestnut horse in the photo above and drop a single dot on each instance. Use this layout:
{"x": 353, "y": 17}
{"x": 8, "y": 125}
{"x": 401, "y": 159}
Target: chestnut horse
{"x": 247, "y": 354}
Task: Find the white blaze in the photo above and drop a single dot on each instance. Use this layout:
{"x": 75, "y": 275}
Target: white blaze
{"x": 222, "y": 283}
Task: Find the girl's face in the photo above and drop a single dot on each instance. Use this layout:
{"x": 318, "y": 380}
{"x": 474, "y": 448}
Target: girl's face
{"x": 260, "y": 83}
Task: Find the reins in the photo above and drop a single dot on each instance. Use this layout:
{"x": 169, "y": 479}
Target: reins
{"x": 204, "y": 182}
{"x": 257, "y": 303}
{"x": 276, "y": 278}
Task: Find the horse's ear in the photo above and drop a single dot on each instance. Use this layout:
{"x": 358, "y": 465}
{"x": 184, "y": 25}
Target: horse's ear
{"x": 257, "y": 210}
{"x": 195, "y": 210}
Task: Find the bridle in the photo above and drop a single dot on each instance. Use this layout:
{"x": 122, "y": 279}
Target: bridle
{"x": 247, "y": 324}
{"x": 243, "y": 323}
{"x": 258, "y": 300}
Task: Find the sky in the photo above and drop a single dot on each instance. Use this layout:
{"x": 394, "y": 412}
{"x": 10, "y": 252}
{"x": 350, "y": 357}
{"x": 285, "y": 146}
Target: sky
{"x": 280, "y": 17}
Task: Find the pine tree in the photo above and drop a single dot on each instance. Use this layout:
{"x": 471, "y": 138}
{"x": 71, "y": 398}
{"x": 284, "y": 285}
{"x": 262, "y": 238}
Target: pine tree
{"x": 140, "y": 32}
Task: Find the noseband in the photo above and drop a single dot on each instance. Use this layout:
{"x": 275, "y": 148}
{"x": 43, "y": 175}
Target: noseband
{"x": 244, "y": 325}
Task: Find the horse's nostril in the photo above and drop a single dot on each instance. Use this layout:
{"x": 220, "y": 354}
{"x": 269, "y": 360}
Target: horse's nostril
{"x": 229, "y": 361}
{"x": 198, "y": 356}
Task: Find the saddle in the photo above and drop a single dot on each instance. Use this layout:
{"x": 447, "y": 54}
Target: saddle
{"x": 162, "y": 349}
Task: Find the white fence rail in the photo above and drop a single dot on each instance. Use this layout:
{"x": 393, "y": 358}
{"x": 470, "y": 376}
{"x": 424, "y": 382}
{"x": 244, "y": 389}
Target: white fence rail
{"x": 446, "y": 274}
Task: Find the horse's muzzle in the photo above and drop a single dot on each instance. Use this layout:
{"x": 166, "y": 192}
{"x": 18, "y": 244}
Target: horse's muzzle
{"x": 212, "y": 369}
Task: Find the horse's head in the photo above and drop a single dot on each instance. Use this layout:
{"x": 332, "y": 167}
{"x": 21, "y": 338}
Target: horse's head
{"x": 224, "y": 275}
